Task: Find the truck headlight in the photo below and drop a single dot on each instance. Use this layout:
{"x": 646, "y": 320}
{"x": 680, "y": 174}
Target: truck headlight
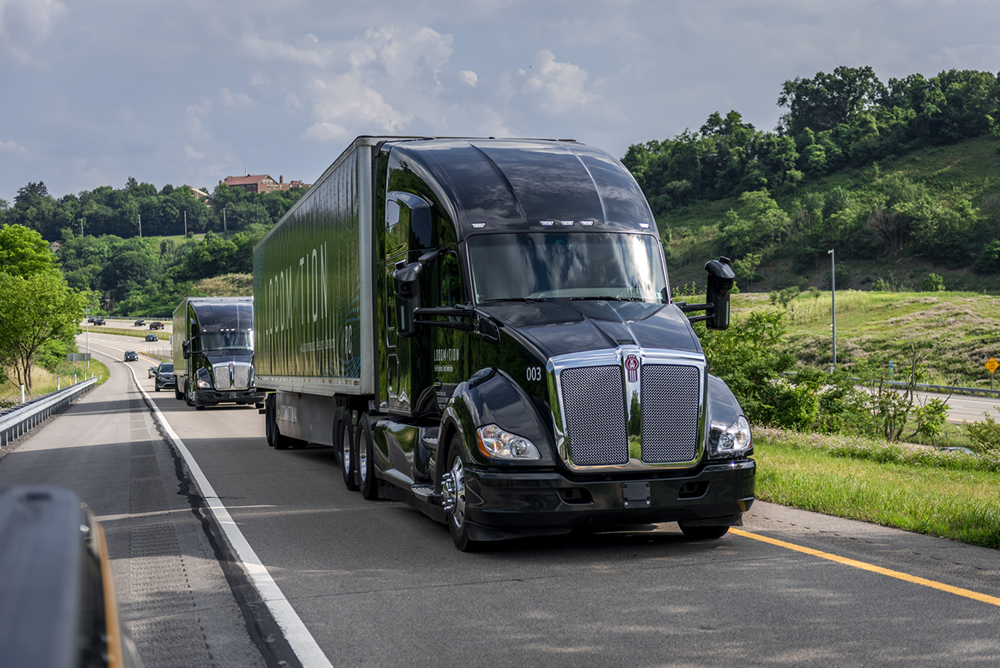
{"x": 496, "y": 443}
{"x": 730, "y": 440}
{"x": 204, "y": 381}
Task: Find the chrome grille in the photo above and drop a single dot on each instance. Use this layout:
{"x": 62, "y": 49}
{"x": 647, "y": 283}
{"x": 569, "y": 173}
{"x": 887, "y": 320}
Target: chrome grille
{"x": 594, "y": 406}
{"x": 240, "y": 379}
{"x": 669, "y": 413}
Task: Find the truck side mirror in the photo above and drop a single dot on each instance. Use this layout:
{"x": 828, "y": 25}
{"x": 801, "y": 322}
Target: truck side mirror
{"x": 407, "y": 280}
{"x": 720, "y": 281}
{"x": 186, "y": 348}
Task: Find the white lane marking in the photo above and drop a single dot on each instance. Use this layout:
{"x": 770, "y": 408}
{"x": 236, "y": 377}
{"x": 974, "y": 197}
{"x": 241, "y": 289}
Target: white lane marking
{"x": 295, "y": 631}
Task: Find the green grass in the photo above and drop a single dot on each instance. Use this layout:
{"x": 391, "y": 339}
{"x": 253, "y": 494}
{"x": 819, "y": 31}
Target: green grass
{"x": 954, "y": 332}
{"x": 44, "y": 381}
{"x": 917, "y": 489}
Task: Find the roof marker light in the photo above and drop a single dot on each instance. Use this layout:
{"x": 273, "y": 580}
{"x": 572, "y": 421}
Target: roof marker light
{"x": 547, "y": 223}
{"x": 644, "y": 226}
{"x": 586, "y": 223}
{"x": 478, "y": 226}
{"x": 566, "y": 223}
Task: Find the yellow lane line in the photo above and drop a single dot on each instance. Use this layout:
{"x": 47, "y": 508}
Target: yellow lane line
{"x": 958, "y": 591}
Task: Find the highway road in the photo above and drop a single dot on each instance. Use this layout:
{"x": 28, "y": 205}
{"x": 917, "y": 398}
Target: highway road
{"x": 378, "y": 584}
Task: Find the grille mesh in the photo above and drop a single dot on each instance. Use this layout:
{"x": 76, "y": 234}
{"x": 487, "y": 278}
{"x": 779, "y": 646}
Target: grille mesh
{"x": 594, "y": 406}
{"x": 241, "y": 376}
{"x": 669, "y": 413}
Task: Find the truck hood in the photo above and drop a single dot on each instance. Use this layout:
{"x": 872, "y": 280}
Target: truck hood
{"x": 559, "y": 327}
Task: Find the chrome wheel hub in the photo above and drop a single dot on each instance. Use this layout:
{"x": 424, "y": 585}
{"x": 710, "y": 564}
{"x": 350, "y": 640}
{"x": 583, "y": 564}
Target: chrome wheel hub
{"x": 453, "y": 493}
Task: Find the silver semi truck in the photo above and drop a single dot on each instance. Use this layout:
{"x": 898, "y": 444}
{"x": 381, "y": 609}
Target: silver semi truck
{"x": 213, "y": 350}
{"x": 483, "y": 329}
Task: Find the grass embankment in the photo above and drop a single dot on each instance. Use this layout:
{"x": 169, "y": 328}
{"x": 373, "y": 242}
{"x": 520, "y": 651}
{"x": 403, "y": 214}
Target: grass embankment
{"x": 926, "y": 491}
{"x": 45, "y": 381}
{"x": 955, "y": 333}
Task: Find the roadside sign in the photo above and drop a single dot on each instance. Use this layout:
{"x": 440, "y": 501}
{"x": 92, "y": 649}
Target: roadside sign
{"x": 992, "y": 365}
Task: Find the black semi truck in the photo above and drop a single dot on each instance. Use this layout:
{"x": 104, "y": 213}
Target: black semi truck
{"x": 213, "y": 350}
{"x": 483, "y": 328}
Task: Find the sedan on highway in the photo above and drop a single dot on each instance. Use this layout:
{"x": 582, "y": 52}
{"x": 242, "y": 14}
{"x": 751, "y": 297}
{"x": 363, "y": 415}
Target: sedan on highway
{"x": 139, "y": 323}
{"x": 165, "y": 376}
{"x": 131, "y": 356}
{"x": 156, "y": 324}
{"x": 152, "y": 337}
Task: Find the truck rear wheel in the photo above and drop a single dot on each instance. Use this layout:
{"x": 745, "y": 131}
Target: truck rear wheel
{"x": 346, "y": 444}
{"x": 453, "y": 487}
{"x": 366, "y": 460}
{"x": 178, "y": 395}
{"x": 703, "y": 533}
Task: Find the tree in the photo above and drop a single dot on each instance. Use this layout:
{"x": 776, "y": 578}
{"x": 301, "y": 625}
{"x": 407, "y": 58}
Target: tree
{"x": 828, "y": 100}
{"x": 23, "y": 252}
{"x": 34, "y": 310}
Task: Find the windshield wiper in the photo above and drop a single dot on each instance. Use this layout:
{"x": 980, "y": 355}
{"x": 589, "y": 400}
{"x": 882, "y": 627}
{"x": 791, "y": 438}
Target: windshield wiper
{"x": 529, "y": 300}
{"x": 607, "y": 299}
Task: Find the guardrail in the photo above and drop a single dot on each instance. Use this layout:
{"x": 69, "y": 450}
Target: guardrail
{"x": 946, "y": 389}
{"x": 19, "y": 421}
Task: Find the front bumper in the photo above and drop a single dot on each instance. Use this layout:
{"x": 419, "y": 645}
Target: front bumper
{"x": 211, "y": 397}
{"x": 504, "y": 504}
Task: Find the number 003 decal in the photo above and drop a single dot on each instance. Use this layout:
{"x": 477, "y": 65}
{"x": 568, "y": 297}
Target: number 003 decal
{"x": 533, "y": 373}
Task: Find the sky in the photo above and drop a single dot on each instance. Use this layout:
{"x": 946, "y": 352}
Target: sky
{"x": 189, "y": 92}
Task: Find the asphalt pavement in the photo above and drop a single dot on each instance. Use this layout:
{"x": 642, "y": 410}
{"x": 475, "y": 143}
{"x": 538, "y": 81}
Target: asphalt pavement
{"x": 378, "y": 584}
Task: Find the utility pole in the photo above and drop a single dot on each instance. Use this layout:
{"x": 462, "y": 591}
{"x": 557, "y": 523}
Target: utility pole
{"x": 140, "y": 226}
{"x": 185, "y": 224}
{"x": 833, "y": 296}
{"x": 224, "y": 220}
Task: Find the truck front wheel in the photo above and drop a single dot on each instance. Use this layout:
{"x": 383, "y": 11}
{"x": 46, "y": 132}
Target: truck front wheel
{"x": 453, "y": 488}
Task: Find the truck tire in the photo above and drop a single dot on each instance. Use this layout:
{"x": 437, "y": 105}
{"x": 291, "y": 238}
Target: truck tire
{"x": 187, "y": 393}
{"x": 703, "y": 533}
{"x": 366, "y": 459}
{"x": 269, "y": 421}
{"x": 456, "y": 517}
{"x": 346, "y": 454}
{"x": 178, "y": 395}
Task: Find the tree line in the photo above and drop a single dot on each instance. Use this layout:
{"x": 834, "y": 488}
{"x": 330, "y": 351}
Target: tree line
{"x": 787, "y": 200}
{"x": 831, "y": 121}
{"x": 168, "y": 211}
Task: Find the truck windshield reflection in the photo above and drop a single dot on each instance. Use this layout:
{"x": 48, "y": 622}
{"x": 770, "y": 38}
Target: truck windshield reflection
{"x": 588, "y": 265}
{"x": 227, "y": 340}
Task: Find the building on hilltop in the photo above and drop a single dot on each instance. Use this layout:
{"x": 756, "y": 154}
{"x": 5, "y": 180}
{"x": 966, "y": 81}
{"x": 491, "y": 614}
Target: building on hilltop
{"x": 261, "y": 183}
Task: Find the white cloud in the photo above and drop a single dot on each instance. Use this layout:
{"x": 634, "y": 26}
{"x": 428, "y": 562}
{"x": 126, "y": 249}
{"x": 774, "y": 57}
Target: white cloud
{"x": 25, "y": 24}
{"x": 191, "y": 154}
{"x": 259, "y": 79}
{"x": 468, "y": 77}
{"x": 556, "y": 87}
{"x": 235, "y": 100}
{"x": 349, "y": 98}
{"x": 12, "y": 148}
{"x": 193, "y": 123}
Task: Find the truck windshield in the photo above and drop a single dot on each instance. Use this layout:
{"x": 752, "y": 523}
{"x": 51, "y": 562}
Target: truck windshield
{"x": 242, "y": 340}
{"x": 583, "y": 265}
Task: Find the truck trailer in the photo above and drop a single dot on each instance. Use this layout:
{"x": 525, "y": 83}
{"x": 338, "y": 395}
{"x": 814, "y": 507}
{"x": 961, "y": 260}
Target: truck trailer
{"x": 213, "y": 351}
{"x": 483, "y": 328}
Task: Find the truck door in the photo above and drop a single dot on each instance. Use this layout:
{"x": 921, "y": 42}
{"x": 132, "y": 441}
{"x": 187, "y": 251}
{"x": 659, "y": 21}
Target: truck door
{"x": 407, "y": 234}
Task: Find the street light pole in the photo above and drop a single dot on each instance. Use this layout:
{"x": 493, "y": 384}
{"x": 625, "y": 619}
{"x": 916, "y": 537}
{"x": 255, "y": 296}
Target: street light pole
{"x": 833, "y": 296}
{"x": 224, "y": 220}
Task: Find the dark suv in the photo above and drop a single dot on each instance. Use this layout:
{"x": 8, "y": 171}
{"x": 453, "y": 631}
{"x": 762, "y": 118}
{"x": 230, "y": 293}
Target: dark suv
{"x": 156, "y": 324}
{"x": 165, "y": 376}
{"x": 131, "y": 356}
